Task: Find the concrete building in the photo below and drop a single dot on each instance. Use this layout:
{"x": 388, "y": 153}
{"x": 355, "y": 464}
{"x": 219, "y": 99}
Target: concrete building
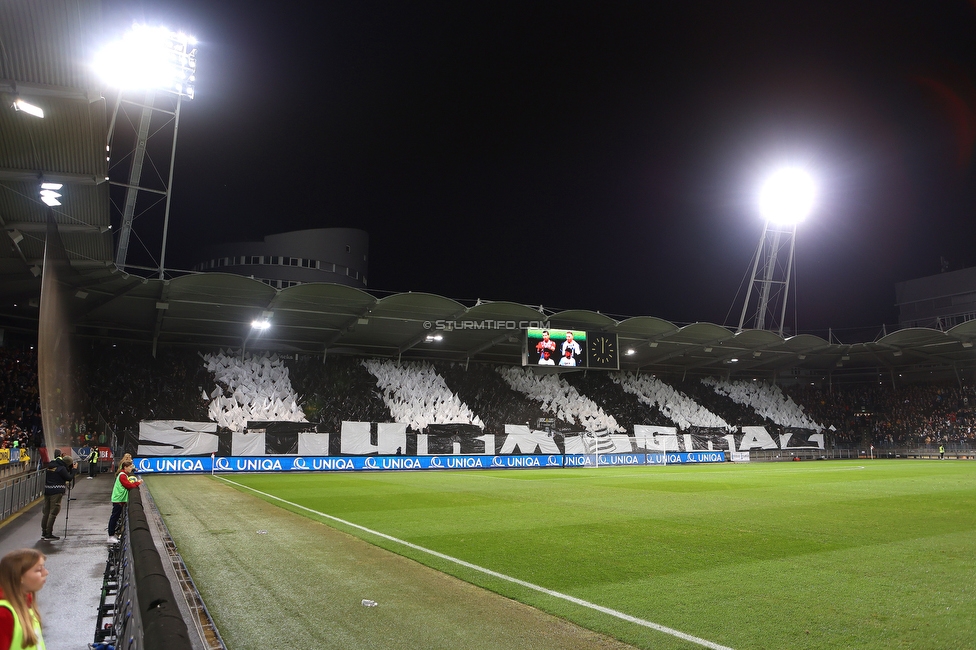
{"x": 337, "y": 255}
{"x": 940, "y": 301}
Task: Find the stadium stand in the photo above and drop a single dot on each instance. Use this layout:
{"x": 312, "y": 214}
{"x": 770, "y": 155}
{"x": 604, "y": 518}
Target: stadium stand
{"x": 418, "y": 396}
{"x": 768, "y": 401}
{"x": 560, "y": 399}
{"x": 490, "y": 396}
{"x": 125, "y": 384}
{"x": 678, "y": 408}
{"x": 18, "y": 387}
{"x": 249, "y": 389}
{"x": 339, "y": 389}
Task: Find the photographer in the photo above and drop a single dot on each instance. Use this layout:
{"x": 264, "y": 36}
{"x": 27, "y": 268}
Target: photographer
{"x": 56, "y": 476}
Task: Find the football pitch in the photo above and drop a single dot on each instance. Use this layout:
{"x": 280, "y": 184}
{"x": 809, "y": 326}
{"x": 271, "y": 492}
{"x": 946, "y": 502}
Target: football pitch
{"x": 831, "y": 554}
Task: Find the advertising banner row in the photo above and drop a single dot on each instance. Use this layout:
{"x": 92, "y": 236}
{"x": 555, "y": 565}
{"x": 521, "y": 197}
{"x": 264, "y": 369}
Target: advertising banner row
{"x": 249, "y": 464}
{"x": 13, "y": 455}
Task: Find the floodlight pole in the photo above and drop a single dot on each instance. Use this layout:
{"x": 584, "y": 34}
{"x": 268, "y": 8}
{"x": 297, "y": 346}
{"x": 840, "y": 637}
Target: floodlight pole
{"x": 169, "y": 185}
{"x": 180, "y": 61}
{"x": 135, "y": 174}
{"x": 773, "y": 279}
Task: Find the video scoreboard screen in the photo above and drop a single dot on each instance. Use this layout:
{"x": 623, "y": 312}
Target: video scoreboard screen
{"x": 570, "y": 349}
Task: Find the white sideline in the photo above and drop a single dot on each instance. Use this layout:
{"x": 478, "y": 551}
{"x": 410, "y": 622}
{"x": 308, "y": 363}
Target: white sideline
{"x": 578, "y": 601}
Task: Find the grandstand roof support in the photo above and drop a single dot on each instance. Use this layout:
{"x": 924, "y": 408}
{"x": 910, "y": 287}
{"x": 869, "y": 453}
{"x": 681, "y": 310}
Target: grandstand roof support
{"x": 772, "y": 278}
{"x": 486, "y": 346}
{"x": 162, "y": 306}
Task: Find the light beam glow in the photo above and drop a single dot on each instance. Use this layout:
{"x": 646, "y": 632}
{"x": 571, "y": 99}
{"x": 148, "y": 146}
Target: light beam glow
{"x": 30, "y": 109}
{"x": 787, "y": 196}
{"x": 150, "y": 57}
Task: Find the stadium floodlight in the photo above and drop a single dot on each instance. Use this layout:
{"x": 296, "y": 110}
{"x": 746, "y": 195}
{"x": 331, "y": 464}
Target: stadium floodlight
{"x": 150, "y": 58}
{"x": 50, "y": 195}
{"x": 787, "y": 196}
{"x": 30, "y": 109}
{"x": 260, "y": 324}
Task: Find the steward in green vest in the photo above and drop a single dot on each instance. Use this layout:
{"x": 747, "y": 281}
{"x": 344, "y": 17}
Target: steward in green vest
{"x": 120, "y": 497}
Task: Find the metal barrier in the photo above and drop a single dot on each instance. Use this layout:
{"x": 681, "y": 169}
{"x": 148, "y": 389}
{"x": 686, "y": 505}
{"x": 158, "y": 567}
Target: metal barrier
{"x": 18, "y": 492}
{"x": 138, "y": 610}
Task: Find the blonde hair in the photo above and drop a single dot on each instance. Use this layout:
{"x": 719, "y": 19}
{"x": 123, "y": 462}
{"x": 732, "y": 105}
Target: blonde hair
{"x": 13, "y": 566}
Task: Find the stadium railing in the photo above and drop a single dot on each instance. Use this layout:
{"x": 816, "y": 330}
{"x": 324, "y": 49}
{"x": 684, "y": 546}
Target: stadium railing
{"x": 19, "y": 491}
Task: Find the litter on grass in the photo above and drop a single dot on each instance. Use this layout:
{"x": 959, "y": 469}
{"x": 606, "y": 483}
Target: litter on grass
{"x": 369, "y": 603}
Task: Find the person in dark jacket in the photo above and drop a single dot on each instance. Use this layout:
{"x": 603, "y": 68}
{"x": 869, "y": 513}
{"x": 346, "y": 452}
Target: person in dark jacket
{"x": 58, "y": 472}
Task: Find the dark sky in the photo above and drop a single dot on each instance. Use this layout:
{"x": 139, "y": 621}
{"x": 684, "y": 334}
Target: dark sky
{"x": 600, "y": 156}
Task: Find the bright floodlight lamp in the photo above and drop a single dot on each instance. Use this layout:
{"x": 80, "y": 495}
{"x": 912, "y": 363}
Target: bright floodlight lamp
{"x": 787, "y": 196}
{"x": 150, "y": 58}
{"x": 30, "y": 109}
{"x": 50, "y": 194}
{"x": 260, "y": 324}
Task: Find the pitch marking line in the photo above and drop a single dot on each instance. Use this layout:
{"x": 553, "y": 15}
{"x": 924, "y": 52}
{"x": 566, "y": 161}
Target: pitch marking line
{"x": 549, "y": 592}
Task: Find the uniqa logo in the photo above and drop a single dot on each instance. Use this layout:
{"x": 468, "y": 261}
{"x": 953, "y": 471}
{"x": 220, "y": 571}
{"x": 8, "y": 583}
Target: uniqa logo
{"x": 179, "y": 465}
{"x": 522, "y": 461}
{"x": 258, "y": 464}
{"x": 400, "y": 462}
{"x": 621, "y": 459}
{"x": 333, "y": 463}
{"x": 464, "y": 463}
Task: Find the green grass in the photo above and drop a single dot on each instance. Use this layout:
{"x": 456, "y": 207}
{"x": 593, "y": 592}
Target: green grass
{"x": 836, "y": 554}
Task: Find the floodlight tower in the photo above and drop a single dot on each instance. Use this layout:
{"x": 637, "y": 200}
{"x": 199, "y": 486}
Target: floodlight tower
{"x": 157, "y": 67}
{"x": 786, "y": 199}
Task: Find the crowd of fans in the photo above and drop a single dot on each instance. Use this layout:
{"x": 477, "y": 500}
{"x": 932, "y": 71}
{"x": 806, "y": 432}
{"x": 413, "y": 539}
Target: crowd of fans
{"x": 123, "y": 385}
{"x": 340, "y": 388}
{"x": 883, "y": 416}
{"x": 20, "y": 423}
{"x": 120, "y": 385}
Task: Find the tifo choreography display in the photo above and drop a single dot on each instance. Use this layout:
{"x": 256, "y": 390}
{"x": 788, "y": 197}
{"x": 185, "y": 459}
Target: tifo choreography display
{"x": 443, "y": 447}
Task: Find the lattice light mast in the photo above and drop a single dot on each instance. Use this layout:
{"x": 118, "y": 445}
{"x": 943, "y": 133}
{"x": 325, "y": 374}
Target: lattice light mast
{"x": 157, "y": 66}
{"x": 786, "y": 198}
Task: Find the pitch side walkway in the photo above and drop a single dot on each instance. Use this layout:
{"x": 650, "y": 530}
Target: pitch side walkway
{"x": 69, "y": 600}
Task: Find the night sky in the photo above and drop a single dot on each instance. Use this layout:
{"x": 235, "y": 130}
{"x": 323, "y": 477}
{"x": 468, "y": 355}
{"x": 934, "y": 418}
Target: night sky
{"x": 601, "y": 156}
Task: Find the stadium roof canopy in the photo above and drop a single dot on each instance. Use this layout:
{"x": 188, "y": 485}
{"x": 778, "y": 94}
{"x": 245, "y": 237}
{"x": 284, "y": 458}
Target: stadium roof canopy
{"x": 47, "y": 45}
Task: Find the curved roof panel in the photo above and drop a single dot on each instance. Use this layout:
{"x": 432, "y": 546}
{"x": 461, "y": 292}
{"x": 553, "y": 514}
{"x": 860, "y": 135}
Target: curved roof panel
{"x": 582, "y": 319}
